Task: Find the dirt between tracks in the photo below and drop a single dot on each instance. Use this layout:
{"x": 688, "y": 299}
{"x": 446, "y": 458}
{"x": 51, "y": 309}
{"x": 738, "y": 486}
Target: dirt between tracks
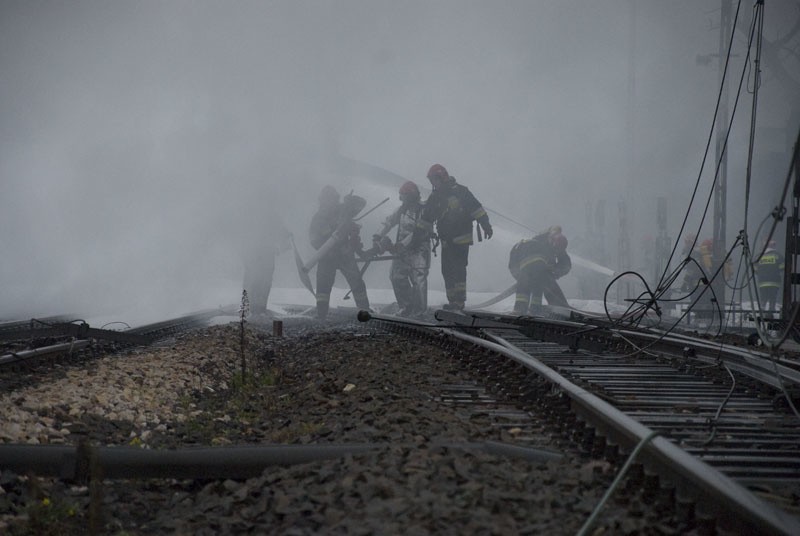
{"x": 314, "y": 386}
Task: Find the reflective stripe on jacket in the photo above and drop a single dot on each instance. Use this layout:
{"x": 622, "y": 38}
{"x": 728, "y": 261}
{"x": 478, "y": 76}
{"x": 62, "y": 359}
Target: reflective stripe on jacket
{"x": 453, "y": 208}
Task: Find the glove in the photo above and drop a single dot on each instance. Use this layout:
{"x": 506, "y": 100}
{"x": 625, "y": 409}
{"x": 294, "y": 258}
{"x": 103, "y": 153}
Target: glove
{"x": 487, "y": 230}
{"x": 386, "y": 244}
{"x": 369, "y": 254}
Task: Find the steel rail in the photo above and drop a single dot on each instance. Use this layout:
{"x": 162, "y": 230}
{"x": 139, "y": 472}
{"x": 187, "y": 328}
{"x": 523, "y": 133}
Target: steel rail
{"x": 731, "y": 498}
{"x": 82, "y": 331}
{"x": 43, "y": 321}
{"x": 67, "y": 347}
{"x": 757, "y": 365}
{"x": 84, "y": 335}
{"x": 187, "y": 320}
{"x": 723, "y": 496}
{"x": 597, "y": 338}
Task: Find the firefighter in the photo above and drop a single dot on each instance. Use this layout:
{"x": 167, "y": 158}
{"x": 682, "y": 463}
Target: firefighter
{"x": 697, "y": 269}
{"x": 409, "y": 270}
{"x": 688, "y": 244}
{"x": 333, "y": 229}
{"x": 700, "y": 271}
{"x": 706, "y": 256}
{"x": 452, "y": 207}
{"x": 259, "y": 267}
{"x": 536, "y": 263}
{"x": 769, "y": 272}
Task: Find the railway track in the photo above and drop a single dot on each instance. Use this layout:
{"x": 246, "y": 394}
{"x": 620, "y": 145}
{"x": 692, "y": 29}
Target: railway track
{"x": 711, "y": 423}
{"x": 62, "y": 337}
{"x": 710, "y": 426}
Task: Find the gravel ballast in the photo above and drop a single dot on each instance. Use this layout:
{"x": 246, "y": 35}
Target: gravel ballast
{"x": 314, "y": 386}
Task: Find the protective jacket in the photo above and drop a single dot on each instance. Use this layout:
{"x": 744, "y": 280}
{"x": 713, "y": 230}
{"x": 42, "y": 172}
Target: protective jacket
{"x": 323, "y": 224}
{"x": 406, "y": 218}
{"x": 770, "y": 269}
{"x": 336, "y": 222}
{"x": 536, "y": 265}
{"x": 538, "y": 249}
{"x": 453, "y": 208}
{"x": 329, "y": 220}
{"x": 409, "y": 271}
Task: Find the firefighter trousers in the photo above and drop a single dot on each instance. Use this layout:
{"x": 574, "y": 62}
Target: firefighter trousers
{"x": 345, "y": 262}
{"x": 769, "y": 297}
{"x": 259, "y": 267}
{"x": 454, "y": 270}
{"x": 409, "y": 277}
{"x": 530, "y": 286}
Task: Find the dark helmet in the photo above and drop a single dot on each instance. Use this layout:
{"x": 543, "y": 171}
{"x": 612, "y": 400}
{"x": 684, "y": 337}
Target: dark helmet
{"x": 353, "y": 204}
{"x": 328, "y": 196}
{"x": 438, "y": 172}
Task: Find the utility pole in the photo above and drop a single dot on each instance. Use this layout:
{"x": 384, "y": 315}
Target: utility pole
{"x": 624, "y": 253}
{"x": 720, "y": 189}
{"x": 626, "y": 204}
{"x": 663, "y": 243}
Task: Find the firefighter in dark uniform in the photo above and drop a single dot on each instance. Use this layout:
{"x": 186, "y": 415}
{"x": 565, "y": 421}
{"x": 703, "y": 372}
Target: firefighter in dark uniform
{"x": 409, "y": 271}
{"x": 769, "y": 272}
{"x": 536, "y": 263}
{"x": 452, "y": 207}
{"x": 335, "y": 217}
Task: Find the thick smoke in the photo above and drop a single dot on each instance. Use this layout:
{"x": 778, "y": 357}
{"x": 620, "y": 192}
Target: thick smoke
{"x": 146, "y": 144}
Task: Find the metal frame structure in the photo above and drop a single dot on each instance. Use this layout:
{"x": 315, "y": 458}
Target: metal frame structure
{"x": 791, "y": 277}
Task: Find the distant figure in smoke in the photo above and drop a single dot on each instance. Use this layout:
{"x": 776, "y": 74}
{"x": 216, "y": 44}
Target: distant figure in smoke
{"x": 699, "y": 272}
{"x": 696, "y": 269}
{"x": 409, "y": 271}
{"x": 688, "y": 244}
{"x": 334, "y": 233}
{"x": 769, "y": 272}
{"x": 452, "y": 207}
{"x": 536, "y": 263}
{"x": 259, "y": 266}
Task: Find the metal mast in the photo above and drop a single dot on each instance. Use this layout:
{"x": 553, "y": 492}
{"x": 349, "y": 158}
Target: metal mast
{"x": 720, "y": 189}
{"x": 625, "y": 260}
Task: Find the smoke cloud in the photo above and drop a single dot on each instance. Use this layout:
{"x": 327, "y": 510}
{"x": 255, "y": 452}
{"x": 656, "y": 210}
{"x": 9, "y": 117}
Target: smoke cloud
{"x": 145, "y": 145}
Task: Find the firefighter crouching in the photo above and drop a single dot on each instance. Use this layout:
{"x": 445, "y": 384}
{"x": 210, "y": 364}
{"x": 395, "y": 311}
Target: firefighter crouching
{"x": 452, "y": 207}
{"x": 536, "y": 263}
{"x": 409, "y": 270}
{"x": 333, "y": 227}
